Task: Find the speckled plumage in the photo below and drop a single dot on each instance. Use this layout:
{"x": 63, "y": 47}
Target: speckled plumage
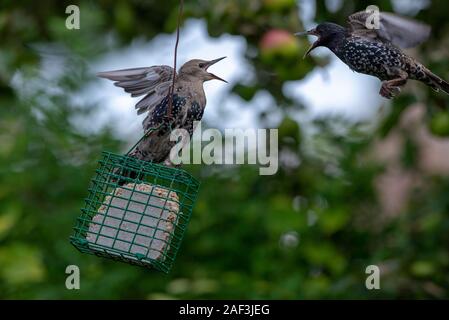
{"x": 382, "y": 60}
{"x": 157, "y": 145}
{"x": 377, "y": 53}
{"x": 188, "y": 103}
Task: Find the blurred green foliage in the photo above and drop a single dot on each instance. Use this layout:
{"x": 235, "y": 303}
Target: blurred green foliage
{"x": 308, "y": 232}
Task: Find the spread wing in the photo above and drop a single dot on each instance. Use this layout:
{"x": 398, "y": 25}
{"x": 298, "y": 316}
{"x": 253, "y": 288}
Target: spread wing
{"x": 153, "y": 82}
{"x": 400, "y": 31}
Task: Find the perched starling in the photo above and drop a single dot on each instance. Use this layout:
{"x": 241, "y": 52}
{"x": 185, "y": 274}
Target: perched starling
{"x": 377, "y": 52}
{"x": 188, "y": 102}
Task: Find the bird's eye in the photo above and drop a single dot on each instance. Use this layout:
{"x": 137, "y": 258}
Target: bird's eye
{"x": 201, "y": 65}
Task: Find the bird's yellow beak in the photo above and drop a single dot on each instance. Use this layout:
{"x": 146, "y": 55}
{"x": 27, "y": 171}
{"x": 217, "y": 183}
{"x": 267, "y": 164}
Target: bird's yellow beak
{"x": 312, "y": 32}
{"x": 211, "y": 62}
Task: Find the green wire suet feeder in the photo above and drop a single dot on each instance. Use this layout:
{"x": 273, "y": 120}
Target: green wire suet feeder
{"x": 139, "y": 220}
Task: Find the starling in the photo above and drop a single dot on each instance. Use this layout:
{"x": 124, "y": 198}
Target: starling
{"x": 187, "y": 105}
{"x": 377, "y": 51}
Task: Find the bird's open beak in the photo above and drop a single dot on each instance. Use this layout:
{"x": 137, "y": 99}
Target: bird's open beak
{"x": 211, "y": 62}
{"x": 312, "y": 32}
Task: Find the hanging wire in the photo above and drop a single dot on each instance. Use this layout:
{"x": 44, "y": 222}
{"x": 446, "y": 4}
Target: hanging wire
{"x": 172, "y": 88}
{"x": 105, "y": 225}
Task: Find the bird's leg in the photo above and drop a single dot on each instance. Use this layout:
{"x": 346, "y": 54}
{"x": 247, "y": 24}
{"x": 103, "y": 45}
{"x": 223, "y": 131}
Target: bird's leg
{"x": 169, "y": 163}
{"x": 392, "y": 88}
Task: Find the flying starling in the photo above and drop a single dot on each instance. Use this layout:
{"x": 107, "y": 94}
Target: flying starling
{"x": 377, "y": 51}
{"x": 163, "y": 116}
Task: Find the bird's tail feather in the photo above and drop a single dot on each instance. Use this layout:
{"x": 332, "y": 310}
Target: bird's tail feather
{"x": 436, "y": 82}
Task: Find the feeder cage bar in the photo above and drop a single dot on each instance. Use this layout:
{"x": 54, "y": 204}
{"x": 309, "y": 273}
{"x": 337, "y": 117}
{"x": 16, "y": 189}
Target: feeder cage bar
{"x": 135, "y": 212}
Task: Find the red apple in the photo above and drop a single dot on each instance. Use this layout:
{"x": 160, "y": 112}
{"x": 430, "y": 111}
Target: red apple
{"x": 279, "y": 43}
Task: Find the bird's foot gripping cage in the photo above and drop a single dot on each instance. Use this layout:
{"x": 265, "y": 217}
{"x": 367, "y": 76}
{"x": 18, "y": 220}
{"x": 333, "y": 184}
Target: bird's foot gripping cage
{"x": 136, "y": 212}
